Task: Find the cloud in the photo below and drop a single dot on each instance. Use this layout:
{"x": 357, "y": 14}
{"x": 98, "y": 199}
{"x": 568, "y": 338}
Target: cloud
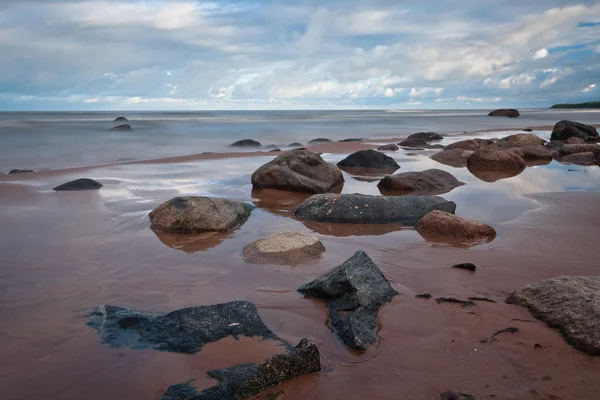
{"x": 541, "y": 53}
{"x": 590, "y": 87}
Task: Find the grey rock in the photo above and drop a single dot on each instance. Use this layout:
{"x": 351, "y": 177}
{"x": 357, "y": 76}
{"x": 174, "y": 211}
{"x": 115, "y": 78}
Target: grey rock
{"x": 245, "y": 143}
{"x": 413, "y": 143}
{"x": 283, "y": 248}
{"x": 319, "y": 140}
{"x": 20, "y": 171}
{"x": 79, "y": 184}
{"x": 295, "y": 144}
{"x": 274, "y": 150}
{"x": 352, "y": 140}
{"x": 120, "y": 119}
{"x": 564, "y": 130}
{"x": 510, "y": 112}
{"x": 271, "y": 146}
{"x": 428, "y": 182}
{"x": 426, "y": 136}
{"x": 388, "y": 147}
{"x": 369, "y": 159}
{"x": 124, "y": 127}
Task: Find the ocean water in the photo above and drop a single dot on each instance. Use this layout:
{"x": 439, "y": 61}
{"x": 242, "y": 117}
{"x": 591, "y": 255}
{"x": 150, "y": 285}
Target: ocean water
{"x": 50, "y": 140}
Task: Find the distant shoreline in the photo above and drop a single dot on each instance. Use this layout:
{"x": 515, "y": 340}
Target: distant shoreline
{"x": 588, "y": 105}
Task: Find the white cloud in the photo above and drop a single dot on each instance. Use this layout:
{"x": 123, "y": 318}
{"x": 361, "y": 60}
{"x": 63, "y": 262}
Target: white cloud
{"x": 541, "y": 53}
{"x": 590, "y": 87}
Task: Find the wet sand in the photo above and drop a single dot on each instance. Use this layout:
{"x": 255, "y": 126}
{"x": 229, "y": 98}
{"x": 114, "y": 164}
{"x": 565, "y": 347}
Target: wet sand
{"x": 64, "y": 252}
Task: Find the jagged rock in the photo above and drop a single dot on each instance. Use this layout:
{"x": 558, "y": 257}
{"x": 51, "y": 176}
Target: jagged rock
{"x": 564, "y": 130}
{"x": 20, "y": 171}
{"x": 439, "y": 224}
{"x": 426, "y": 136}
{"x": 413, "y": 143}
{"x": 283, "y": 248}
{"x": 353, "y": 292}
{"x": 428, "y": 182}
{"x": 568, "y": 149}
{"x": 245, "y": 143}
{"x": 456, "y": 158}
{"x": 468, "y": 144}
{"x": 492, "y": 163}
{"x": 588, "y": 158}
{"x": 510, "y": 113}
{"x": 319, "y": 140}
{"x": 388, "y": 147}
{"x": 79, "y": 184}
{"x": 124, "y": 127}
{"x": 369, "y": 159}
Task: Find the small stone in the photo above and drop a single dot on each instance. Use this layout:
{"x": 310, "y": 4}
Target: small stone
{"x": 423, "y": 296}
{"x": 283, "y": 248}
{"x": 467, "y": 266}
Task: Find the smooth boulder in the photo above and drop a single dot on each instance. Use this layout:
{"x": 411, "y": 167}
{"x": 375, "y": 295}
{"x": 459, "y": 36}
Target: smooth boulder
{"x": 413, "y": 143}
{"x": 426, "y": 136}
{"x": 120, "y": 119}
{"x": 491, "y": 164}
{"x": 579, "y": 148}
{"x": 369, "y": 159}
{"x": 365, "y": 209}
{"x": 354, "y": 292}
{"x": 522, "y": 139}
{"x": 194, "y": 214}
{"x": 388, "y": 147}
{"x": 439, "y": 225}
{"x": 295, "y": 144}
{"x": 574, "y": 140}
{"x": 588, "y": 158}
{"x": 283, "y": 248}
{"x": 319, "y": 140}
{"x": 468, "y": 144}
{"x": 533, "y": 155}
{"x": 569, "y": 304}
{"x": 564, "y": 130}
{"x": 246, "y": 143}
{"x": 428, "y": 182}
{"x": 456, "y": 158}
{"x": 510, "y": 113}
{"x": 79, "y": 184}
{"x": 298, "y": 171}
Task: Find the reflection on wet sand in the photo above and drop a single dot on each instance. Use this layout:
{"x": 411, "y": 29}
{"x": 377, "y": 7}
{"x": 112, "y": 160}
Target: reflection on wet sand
{"x": 279, "y": 202}
{"x": 191, "y": 243}
{"x": 493, "y": 175}
{"x": 440, "y": 240}
{"x": 367, "y": 174}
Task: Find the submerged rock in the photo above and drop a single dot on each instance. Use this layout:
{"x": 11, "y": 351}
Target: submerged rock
{"x": 569, "y": 304}
{"x": 298, "y": 171}
{"x": 199, "y": 214}
{"x": 588, "y": 158}
{"x": 431, "y": 181}
{"x": 568, "y": 149}
{"x": 353, "y": 292}
{"x": 492, "y": 163}
{"x": 124, "y": 127}
{"x": 271, "y": 146}
{"x": 468, "y": 144}
{"x": 319, "y": 140}
{"x": 120, "y": 119}
{"x": 564, "y": 130}
{"x": 246, "y": 143}
{"x": 388, "y": 147}
{"x": 426, "y": 136}
{"x": 283, "y": 248}
{"x": 414, "y": 143}
{"x": 533, "y": 155}
{"x": 439, "y": 225}
{"x": 510, "y": 112}
{"x": 20, "y": 171}
{"x": 79, "y": 184}
{"x": 365, "y": 209}
{"x": 456, "y": 158}
{"x": 369, "y": 159}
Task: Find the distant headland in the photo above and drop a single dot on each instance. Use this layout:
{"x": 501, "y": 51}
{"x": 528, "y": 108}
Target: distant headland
{"x": 591, "y": 104}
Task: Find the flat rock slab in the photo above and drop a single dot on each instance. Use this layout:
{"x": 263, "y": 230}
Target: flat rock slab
{"x": 79, "y": 184}
{"x": 283, "y": 248}
{"x": 181, "y": 331}
{"x": 456, "y": 158}
{"x": 569, "y": 304}
{"x": 247, "y": 380}
{"x": 442, "y": 225}
{"x": 428, "y": 182}
{"x": 365, "y": 209}
{"x": 509, "y": 112}
{"x": 353, "y": 292}
{"x": 369, "y": 159}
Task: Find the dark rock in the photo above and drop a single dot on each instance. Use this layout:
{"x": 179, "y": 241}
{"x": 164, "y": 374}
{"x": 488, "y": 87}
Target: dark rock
{"x": 511, "y": 113}
{"x": 486, "y": 299}
{"x": 443, "y": 226}
{"x": 295, "y": 144}
{"x": 568, "y": 149}
{"x": 456, "y": 158}
{"x": 456, "y": 396}
{"x": 120, "y": 119}
{"x": 468, "y": 144}
{"x": 581, "y": 158}
{"x": 199, "y": 214}
{"x": 546, "y": 378}
{"x": 423, "y": 296}
{"x": 491, "y": 164}
{"x": 283, "y": 248}
{"x": 369, "y": 159}
{"x": 388, "y": 147}
{"x": 271, "y": 146}
{"x": 124, "y": 127}
{"x": 354, "y": 292}
{"x": 365, "y": 209}
{"x": 467, "y": 266}
{"x": 436, "y": 146}
{"x": 353, "y": 140}
{"x": 428, "y": 182}
{"x": 527, "y": 130}
{"x": 79, "y": 184}
{"x": 426, "y": 136}
{"x": 246, "y": 143}
{"x": 20, "y": 171}
{"x": 564, "y": 130}
{"x": 569, "y": 304}
{"x": 274, "y": 150}
{"x": 319, "y": 140}
{"x": 414, "y": 142}
{"x": 298, "y": 171}
{"x": 494, "y": 338}
{"x": 463, "y": 303}
{"x": 554, "y": 145}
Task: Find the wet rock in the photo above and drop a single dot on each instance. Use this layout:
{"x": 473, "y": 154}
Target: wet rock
{"x": 581, "y": 158}
{"x": 485, "y": 142}
{"x": 298, "y": 171}
{"x": 438, "y": 225}
{"x": 283, "y": 248}
{"x": 426, "y": 136}
{"x": 120, "y": 119}
{"x": 199, "y": 214}
{"x": 574, "y": 140}
{"x": 124, "y": 127}
{"x": 271, "y": 146}
{"x": 365, "y": 209}
{"x": 20, "y": 171}
{"x": 485, "y": 299}
{"x": 274, "y": 150}
{"x": 423, "y": 296}
{"x": 468, "y": 144}
{"x": 456, "y": 158}
{"x": 564, "y": 130}
{"x": 352, "y": 140}
{"x": 388, "y": 147}
{"x": 568, "y": 149}
{"x": 369, "y": 159}
{"x": 554, "y": 145}
{"x": 491, "y": 164}
{"x": 436, "y": 146}
{"x": 245, "y": 143}
{"x": 247, "y": 380}
{"x": 569, "y": 304}
{"x": 456, "y": 396}
{"x": 295, "y": 144}
{"x": 79, "y": 184}
{"x": 181, "y": 331}
{"x": 527, "y": 130}
{"x": 522, "y": 139}
{"x": 467, "y": 266}
{"x": 319, "y": 140}
{"x": 533, "y": 155}
{"x": 353, "y": 292}
{"x": 494, "y": 338}
{"x": 428, "y": 182}
{"x": 413, "y": 143}
{"x": 510, "y": 113}
{"x": 463, "y": 303}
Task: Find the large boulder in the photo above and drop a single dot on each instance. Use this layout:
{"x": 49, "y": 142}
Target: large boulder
{"x": 569, "y": 304}
{"x": 283, "y": 248}
{"x": 79, "y": 184}
{"x": 492, "y": 163}
{"x": 319, "y": 140}
{"x": 426, "y": 136}
{"x": 19, "y": 171}
{"x": 456, "y": 158}
{"x": 588, "y": 158}
{"x": 354, "y": 292}
{"x": 199, "y": 214}
{"x": 441, "y": 226}
{"x": 533, "y": 154}
{"x": 468, "y": 144}
{"x": 414, "y": 143}
{"x": 510, "y": 112}
{"x": 365, "y": 209}
{"x": 369, "y": 159}
{"x": 564, "y": 130}
{"x": 298, "y": 171}
{"x": 521, "y": 139}
{"x": 246, "y": 143}
{"x": 431, "y": 181}
{"x": 388, "y": 147}
{"x": 579, "y": 148}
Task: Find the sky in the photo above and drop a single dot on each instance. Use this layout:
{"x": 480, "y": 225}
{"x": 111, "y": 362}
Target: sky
{"x": 336, "y": 54}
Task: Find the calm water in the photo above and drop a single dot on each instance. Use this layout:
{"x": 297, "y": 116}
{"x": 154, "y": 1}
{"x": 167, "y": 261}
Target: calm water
{"x": 58, "y": 140}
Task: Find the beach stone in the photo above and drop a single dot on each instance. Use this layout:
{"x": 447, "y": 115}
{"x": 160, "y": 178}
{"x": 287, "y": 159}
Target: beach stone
{"x": 454, "y": 157}
{"x": 554, "y": 145}
{"x": 533, "y": 154}
{"x": 485, "y": 142}
{"x": 468, "y": 144}
{"x": 246, "y": 143}
{"x": 439, "y": 224}
{"x": 271, "y": 146}
{"x": 247, "y": 380}
{"x": 353, "y": 293}
{"x": 124, "y": 127}
{"x": 283, "y": 248}
{"x": 579, "y": 148}
{"x": 522, "y": 139}
{"x": 194, "y": 214}
{"x": 527, "y": 130}
{"x": 319, "y": 140}
{"x": 431, "y": 181}
{"x": 365, "y": 209}
{"x": 120, "y": 119}
{"x": 79, "y": 184}
{"x": 564, "y": 130}
{"x": 413, "y": 142}
{"x": 298, "y": 171}
{"x": 588, "y": 158}
{"x": 274, "y": 150}
{"x": 388, "y": 147}
{"x": 19, "y": 171}
{"x": 491, "y": 164}
{"x": 426, "y": 136}
{"x": 352, "y": 140}
{"x": 569, "y": 304}
{"x": 295, "y": 144}
{"x": 574, "y": 140}
{"x": 369, "y": 159}
{"x": 511, "y": 113}
{"x": 436, "y": 146}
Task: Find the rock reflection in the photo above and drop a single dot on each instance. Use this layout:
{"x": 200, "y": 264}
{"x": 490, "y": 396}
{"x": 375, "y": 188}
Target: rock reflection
{"x": 493, "y": 175}
{"x": 279, "y": 202}
{"x": 347, "y": 230}
{"x": 445, "y": 241}
{"x": 191, "y": 243}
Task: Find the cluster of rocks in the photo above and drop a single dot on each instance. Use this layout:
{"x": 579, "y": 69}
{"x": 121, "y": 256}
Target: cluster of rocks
{"x": 421, "y": 140}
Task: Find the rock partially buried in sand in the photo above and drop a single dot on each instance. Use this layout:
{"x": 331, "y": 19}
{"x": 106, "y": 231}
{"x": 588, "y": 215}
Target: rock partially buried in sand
{"x": 426, "y": 136}
{"x": 120, "y": 119}
{"x": 354, "y": 292}
{"x": 413, "y": 143}
{"x": 124, "y": 127}
{"x": 247, "y": 380}
{"x": 521, "y": 139}
{"x": 79, "y": 184}
{"x": 295, "y": 144}
{"x": 510, "y": 113}
{"x": 365, "y": 209}
{"x": 439, "y": 225}
{"x": 283, "y": 248}
{"x": 533, "y": 155}
{"x": 369, "y": 159}
{"x": 564, "y": 130}
{"x": 588, "y": 158}
{"x": 388, "y": 147}
{"x": 319, "y": 140}
{"x": 195, "y": 214}
{"x": 468, "y": 144}
{"x": 492, "y": 163}
{"x": 569, "y": 304}
{"x": 568, "y": 149}
{"x": 245, "y": 143}
{"x": 20, "y": 171}
{"x": 431, "y": 181}
{"x": 298, "y": 171}
{"x": 456, "y": 158}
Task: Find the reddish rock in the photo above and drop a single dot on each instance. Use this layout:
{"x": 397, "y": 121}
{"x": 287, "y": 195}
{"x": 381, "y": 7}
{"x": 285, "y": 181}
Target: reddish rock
{"x": 413, "y": 142}
{"x": 522, "y": 139}
{"x": 429, "y": 182}
{"x": 533, "y": 155}
{"x": 588, "y": 158}
{"x": 454, "y": 157}
{"x": 439, "y": 225}
{"x": 492, "y": 163}
{"x": 283, "y": 248}
{"x": 388, "y": 147}
{"x": 469, "y": 144}
{"x": 574, "y": 140}
{"x": 579, "y": 148}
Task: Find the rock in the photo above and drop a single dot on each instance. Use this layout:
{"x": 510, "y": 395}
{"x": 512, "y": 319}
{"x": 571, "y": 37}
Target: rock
{"x": 574, "y": 140}
{"x": 467, "y": 266}
{"x": 298, "y": 171}
{"x": 569, "y": 304}
{"x": 20, "y": 171}
{"x": 414, "y": 142}
{"x": 124, "y": 127}
{"x": 491, "y": 164}
{"x": 365, "y": 209}
{"x": 369, "y": 159}
{"x": 319, "y": 140}
{"x": 354, "y": 292}
{"x": 554, "y": 145}
{"x": 423, "y": 296}
{"x": 79, "y": 184}
{"x": 352, "y": 140}
{"x": 485, "y": 142}
{"x": 436, "y": 146}
{"x": 274, "y": 150}
{"x": 295, "y": 144}
{"x": 450, "y": 395}
{"x": 181, "y": 331}
{"x": 468, "y": 144}
{"x": 438, "y": 225}
{"x": 588, "y": 158}
{"x": 527, "y": 130}
{"x": 245, "y": 143}
{"x": 247, "y": 380}
{"x": 388, "y": 147}
{"x": 494, "y": 337}
{"x": 199, "y": 214}
{"x": 431, "y": 181}
{"x": 463, "y": 303}
{"x": 271, "y": 146}
{"x": 579, "y": 148}
{"x": 283, "y": 248}
{"x": 522, "y": 139}
{"x": 454, "y": 157}
{"x": 564, "y": 130}
{"x": 533, "y": 155}
{"x": 426, "y": 136}
{"x": 120, "y": 119}
{"x": 511, "y": 113}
